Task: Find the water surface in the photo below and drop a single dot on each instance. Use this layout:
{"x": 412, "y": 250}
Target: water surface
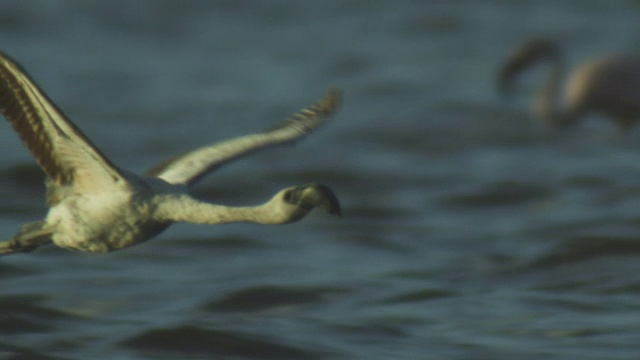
{"x": 469, "y": 231}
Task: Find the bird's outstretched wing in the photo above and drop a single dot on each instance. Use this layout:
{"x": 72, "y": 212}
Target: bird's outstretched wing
{"x": 30, "y": 237}
{"x": 65, "y": 154}
{"x": 192, "y": 166}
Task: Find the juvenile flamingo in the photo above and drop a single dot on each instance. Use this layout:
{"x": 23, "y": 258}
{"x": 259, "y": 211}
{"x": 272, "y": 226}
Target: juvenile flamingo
{"x": 97, "y": 207}
{"x": 609, "y": 85}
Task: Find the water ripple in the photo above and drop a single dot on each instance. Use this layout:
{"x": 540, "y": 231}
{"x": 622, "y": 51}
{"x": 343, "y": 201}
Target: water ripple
{"x": 194, "y": 340}
{"x": 502, "y": 193}
{"x": 268, "y": 297}
{"x": 23, "y": 314}
{"x": 582, "y": 248}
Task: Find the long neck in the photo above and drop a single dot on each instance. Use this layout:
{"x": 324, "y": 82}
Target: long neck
{"x": 186, "y": 209}
{"x": 548, "y": 99}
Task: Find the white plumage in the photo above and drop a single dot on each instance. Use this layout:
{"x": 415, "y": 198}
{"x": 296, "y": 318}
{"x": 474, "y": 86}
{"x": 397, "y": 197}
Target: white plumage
{"x": 96, "y": 206}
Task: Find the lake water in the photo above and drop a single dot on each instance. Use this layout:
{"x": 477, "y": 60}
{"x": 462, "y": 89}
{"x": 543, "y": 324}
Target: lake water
{"x": 469, "y": 230}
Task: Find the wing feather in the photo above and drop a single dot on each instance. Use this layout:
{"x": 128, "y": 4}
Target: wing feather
{"x": 61, "y": 149}
{"x": 192, "y": 166}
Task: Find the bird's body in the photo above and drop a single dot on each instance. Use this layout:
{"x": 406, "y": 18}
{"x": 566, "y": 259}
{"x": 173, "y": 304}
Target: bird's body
{"x": 117, "y": 217}
{"x": 609, "y": 85}
{"x": 97, "y": 207}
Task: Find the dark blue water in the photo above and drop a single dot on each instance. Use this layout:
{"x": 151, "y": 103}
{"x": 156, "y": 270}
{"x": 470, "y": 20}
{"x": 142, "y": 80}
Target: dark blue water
{"x": 469, "y": 232}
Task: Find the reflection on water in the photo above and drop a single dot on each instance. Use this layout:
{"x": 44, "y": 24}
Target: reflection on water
{"x": 469, "y": 231}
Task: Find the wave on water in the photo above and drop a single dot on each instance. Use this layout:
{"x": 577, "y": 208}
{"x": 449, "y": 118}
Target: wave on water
{"x": 188, "y": 340}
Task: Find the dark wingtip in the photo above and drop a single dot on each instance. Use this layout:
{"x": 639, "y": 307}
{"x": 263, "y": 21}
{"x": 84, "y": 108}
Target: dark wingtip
{"x": 330, "y": 102}
{"x": 323, "y": 108}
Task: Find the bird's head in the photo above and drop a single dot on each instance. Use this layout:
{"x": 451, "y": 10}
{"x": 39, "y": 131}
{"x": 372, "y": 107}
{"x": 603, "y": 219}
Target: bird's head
{"x": 297, "y": 201}
{"x": 524, "y": 56}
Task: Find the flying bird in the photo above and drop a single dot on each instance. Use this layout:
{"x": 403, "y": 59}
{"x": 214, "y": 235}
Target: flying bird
{"x": 608, "y": 85}
{"x": 95, "y": 206}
